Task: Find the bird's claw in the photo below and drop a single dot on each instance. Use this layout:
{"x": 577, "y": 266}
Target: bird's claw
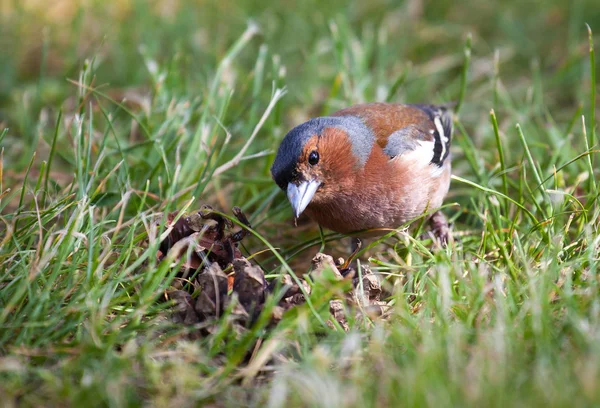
{"x": 440, "y": 228}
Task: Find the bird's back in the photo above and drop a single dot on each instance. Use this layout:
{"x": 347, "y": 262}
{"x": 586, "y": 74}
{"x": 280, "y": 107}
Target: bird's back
{"x": 400, "y": 127}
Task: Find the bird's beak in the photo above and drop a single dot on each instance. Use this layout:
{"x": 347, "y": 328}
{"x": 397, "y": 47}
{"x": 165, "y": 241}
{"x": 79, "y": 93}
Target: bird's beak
{"x": 301, "y": 194}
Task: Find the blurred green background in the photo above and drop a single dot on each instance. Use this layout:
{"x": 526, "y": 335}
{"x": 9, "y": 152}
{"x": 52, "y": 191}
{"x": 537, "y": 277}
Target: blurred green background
{"x": 424, "y": 38}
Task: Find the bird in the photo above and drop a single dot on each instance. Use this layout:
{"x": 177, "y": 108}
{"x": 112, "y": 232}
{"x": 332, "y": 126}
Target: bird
{"x": 370, "y": 166}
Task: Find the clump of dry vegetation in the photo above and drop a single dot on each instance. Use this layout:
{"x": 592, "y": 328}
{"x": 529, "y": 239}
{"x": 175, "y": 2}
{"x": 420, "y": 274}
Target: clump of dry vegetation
{"x": 201, "y": 245}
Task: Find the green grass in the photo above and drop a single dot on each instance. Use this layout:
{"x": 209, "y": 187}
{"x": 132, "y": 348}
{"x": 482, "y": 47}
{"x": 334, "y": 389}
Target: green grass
{"x": 114, "y": 114}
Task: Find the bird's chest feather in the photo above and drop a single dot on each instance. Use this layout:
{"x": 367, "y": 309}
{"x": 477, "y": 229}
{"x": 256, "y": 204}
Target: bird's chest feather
{"x": 385, "y": 194}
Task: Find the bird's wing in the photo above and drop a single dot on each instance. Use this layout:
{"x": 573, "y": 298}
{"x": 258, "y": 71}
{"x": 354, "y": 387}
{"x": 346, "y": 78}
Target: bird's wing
{"x": 403, "y": 128}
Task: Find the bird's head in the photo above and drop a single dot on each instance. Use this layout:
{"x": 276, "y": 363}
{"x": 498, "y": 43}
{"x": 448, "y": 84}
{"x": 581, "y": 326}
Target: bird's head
{"x": 318, "y": 158}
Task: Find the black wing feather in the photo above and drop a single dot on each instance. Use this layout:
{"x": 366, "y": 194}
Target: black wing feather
{"x": 443, "y": 136}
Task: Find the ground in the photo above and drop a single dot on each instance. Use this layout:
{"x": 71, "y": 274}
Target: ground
{"x": 115, "y": 114}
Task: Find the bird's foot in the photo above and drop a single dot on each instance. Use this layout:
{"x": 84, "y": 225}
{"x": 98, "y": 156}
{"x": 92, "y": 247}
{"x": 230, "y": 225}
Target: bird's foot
{"x": 440, "y": 228}
{"x": 356, "y": 247}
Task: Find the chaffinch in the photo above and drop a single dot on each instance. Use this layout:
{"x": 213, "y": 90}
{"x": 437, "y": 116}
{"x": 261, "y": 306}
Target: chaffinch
{"x": 369, "y": 166}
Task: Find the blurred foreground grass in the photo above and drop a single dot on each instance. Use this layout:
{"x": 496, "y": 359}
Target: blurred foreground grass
{"x": 112, "y": 113}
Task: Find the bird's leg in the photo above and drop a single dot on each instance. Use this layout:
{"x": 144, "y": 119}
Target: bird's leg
{"x": 440, "y": 228}
{"x": 356, "y": 245}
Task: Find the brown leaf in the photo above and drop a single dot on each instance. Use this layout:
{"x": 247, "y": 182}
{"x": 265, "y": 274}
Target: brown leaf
{"x": 292, "y": 287}
{"x": 248, "y": 283}
{"x": 376, "y": 309}
{"x": 183, "y": 311}
{"x": 208, "y": 230}
{"x": 338, "y": 312}
{"x": 371, "y": 287}
{"x": 213, "y": 295}
{"x": 322, "y": 262}
{"x": 277, "y": 314}
{"x": 180, "y": 230}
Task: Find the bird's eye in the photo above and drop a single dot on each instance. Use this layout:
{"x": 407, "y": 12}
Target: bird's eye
{"x": 313, "y": 158}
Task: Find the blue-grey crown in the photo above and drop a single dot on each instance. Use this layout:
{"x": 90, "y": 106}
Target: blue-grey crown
{"x": 284, "y": 166}
{"x": 283, "y": 169}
